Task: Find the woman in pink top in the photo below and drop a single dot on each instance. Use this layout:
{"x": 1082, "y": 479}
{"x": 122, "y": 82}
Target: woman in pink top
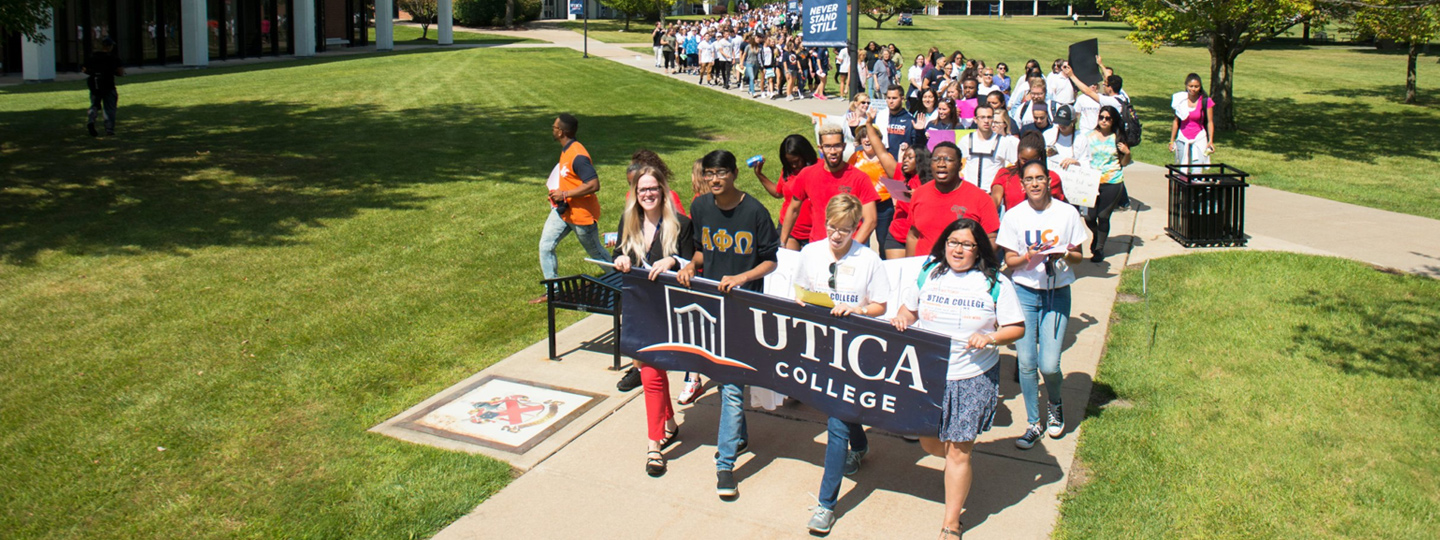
{"x": 1192, "y": 132}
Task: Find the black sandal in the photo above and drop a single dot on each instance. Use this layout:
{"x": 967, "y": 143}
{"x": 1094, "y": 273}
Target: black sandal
{"x": 670, "y": 437}
{"x": 956, "y": 534}
{"x": 654, "y": 463}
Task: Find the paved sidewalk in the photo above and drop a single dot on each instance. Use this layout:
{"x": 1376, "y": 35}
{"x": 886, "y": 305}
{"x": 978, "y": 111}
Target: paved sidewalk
{"x": 598, "y": 483}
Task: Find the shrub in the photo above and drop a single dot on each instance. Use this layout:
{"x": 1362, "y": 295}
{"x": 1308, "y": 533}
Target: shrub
{"x": 492, "y": 12}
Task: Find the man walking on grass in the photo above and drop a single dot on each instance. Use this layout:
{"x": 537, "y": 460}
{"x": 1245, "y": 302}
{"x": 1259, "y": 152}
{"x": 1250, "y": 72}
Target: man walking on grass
{"x": 574, "y": 206}
{"x": 102, "y": 67}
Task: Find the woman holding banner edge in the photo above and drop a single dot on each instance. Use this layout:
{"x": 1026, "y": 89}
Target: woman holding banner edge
{"x": 653, "y": 234}
{"x": 853, "y": 276}
{"x": 961, "y": 293}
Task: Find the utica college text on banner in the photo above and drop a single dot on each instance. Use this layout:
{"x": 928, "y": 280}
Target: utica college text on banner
{"x": 854, "y": 368}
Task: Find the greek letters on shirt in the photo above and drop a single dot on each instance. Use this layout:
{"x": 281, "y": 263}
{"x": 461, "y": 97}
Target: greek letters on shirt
{"x": 741, "y": 243}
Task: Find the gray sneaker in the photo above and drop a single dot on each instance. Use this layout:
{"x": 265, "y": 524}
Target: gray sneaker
{"x": 1026, "y": 441}
{"x": 823, "y": 519}
{"x": 853, "y": 459}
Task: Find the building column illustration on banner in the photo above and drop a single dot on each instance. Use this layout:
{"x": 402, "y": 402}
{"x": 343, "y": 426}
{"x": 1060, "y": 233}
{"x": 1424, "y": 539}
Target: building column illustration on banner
{"x": 694, "y": 329}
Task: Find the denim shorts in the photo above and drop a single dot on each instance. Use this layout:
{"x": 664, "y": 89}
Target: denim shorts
{"x": 968, "y": 408}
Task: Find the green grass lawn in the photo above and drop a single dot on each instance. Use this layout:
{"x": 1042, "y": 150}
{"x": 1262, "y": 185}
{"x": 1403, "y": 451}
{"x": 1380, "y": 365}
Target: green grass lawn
{"x": 410, "y": 35}
{"x": 271, "y": 259}
{"x": 1320, "y": 120}
{"x": 1264, "y": 395}
{"x": 611, "y": 30}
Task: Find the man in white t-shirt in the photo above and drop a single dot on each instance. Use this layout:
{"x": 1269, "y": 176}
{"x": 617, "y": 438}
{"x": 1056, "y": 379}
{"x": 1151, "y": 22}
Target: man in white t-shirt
{"x": 984, "y": 151}
{"x": 1058, "y": 85}
{"x": 707, "y": 59}
{"x": 1035, "y": 97}
{"x": 724, "y": 52}
{"x": 1092, "y": 98}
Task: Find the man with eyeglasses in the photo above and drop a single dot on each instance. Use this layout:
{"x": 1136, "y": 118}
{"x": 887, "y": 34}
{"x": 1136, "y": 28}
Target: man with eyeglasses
{"x": 985, "y": 151}
{"x": 822, "y": 181}
{"x": 735, "y": 244}
{"x": 935, "y": 205}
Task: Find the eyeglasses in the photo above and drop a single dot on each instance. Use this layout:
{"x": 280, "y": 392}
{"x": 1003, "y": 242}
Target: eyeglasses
{"x": 832, "y": 147}
{"x": 647, "y": 190}
{"x": 833, "y": 265}
{"x": 832, "y": 230}
{"x": 1108, "y": 118}
{"x": 715, "y": 174}
{"x": 967, "y": 246}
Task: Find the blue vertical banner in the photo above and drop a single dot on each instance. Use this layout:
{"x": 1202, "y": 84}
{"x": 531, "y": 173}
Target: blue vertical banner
{"x": 794, "y": 6}
{"x": 824, "y": 23}
{"x": 577, "y": 7}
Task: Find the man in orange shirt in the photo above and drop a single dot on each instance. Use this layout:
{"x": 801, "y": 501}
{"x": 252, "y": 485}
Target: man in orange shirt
{"x": 575, "y": 208}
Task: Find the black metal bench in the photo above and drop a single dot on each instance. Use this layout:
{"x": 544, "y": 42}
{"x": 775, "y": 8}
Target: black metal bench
{"x": 587, "y": 294}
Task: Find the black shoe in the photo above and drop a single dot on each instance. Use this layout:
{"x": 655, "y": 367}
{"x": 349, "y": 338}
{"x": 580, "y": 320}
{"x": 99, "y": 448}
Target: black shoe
{"x": 725, "y": 485}
{"x": 655, "y": 464}
{"x": 630, "y": 381}
{"x": 91, "y": 129}
{"x": 739, "y": 449}
{"x": 1098, "y": 256}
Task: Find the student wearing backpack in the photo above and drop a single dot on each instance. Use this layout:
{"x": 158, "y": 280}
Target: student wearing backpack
{"x": 961, "y": 293}
{"x": 1042, "y": 238}
{"x": 1104, "y": 150}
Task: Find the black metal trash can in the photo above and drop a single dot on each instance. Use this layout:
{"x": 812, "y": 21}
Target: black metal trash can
{"x": 1207, "y": 205}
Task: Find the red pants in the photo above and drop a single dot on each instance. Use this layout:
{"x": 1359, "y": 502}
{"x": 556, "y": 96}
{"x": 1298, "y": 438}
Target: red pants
{"x": 657, "y": 400}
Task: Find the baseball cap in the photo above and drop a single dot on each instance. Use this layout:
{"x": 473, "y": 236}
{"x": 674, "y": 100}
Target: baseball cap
{"x": 1064, "y": 116}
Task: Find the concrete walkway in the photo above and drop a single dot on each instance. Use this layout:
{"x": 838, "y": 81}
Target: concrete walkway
{"x": 595, "y": 486}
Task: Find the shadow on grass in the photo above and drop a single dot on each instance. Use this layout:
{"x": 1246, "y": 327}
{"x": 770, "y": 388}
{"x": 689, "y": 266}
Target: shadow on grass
{"x": 257, "y": 173}
{"x": 262, "y": 64}
{"x": 1394, "y": 93}
{"x": 1346, "y": 131}
{"x": 1392, "y": 337}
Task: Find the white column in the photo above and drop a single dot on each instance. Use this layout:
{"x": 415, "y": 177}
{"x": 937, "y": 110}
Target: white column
{"x": 446, "y": 26}
{"x": 384, "y": 25}
{"x": 1036, "y": 13}
{"x": 967, "y": 7}
{"x": 1002, "y": 8}
{"x": 303, "y": 28}
{"x": 1069, "y": 9}
{"x": 37, "y": 60}
{"x": 195, "y": 35}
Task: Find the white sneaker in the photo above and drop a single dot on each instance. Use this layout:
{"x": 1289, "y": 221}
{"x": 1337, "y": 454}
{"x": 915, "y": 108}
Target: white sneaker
{"x": 692, "y": 390}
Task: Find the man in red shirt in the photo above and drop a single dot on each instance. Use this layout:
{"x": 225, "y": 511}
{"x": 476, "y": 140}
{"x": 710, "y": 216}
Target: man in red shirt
{"x": 820, "y": 182}
{"x": 936, "y": 205}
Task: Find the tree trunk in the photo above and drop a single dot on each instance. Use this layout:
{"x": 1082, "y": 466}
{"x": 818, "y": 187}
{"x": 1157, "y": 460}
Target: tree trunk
{"x": 1305, "y": 37}
{"x": 627, "y": 21}
{"x": 424, "y": 30}
{"x": 1222, "y": 73}
{"x": 1410, "y": 73}
{"x": 510, "y": 13}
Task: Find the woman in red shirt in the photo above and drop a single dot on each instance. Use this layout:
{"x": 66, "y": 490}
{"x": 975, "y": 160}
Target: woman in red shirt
{"x": 1006, "y": 189}
{"x": 796, "y": 153}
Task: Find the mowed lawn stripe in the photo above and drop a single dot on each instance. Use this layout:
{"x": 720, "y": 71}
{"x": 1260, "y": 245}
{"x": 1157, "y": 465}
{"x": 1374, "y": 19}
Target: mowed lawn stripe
{"x": 268, "y": 261}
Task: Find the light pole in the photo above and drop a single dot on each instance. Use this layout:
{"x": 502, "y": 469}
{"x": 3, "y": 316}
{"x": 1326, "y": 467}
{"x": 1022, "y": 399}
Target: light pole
{"x": 854, "y": 49}
{"x": 585, "y": 8}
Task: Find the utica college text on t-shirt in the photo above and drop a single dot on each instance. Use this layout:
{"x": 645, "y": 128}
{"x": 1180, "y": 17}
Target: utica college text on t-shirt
{"x": 854, "y": 368}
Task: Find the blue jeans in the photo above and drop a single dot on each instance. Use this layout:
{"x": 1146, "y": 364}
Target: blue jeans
{"x": 732, "y": 425}
{"x": 1047, "y": 312}
{"x": 843, "y": 436}
{"x": 555, "y": 230}
{"x": 750, "y": 74}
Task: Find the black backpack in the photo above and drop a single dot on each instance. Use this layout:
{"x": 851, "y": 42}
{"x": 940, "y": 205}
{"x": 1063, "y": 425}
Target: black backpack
{"x": 1132, "y": 123}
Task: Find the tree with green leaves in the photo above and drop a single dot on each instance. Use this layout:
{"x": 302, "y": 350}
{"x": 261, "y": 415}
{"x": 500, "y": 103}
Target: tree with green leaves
{"x": 884, "y": 10}
{"x": 1228, "y": 27}
{"x": 637, "y": 8}
{"x": 423, "y": 12}
{"x": 26, "y": 17}
{"x": 1412, "y": 27}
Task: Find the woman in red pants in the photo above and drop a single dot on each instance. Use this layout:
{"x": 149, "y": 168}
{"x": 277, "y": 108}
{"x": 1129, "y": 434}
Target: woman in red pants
{"x": 652, "y": 235}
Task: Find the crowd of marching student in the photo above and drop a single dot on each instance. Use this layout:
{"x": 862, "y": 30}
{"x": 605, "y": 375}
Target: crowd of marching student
{"x": 985, "y": 207}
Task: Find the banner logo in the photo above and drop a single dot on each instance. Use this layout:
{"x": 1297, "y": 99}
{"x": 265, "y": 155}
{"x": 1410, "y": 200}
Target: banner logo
{"x": 695, "y": 329}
